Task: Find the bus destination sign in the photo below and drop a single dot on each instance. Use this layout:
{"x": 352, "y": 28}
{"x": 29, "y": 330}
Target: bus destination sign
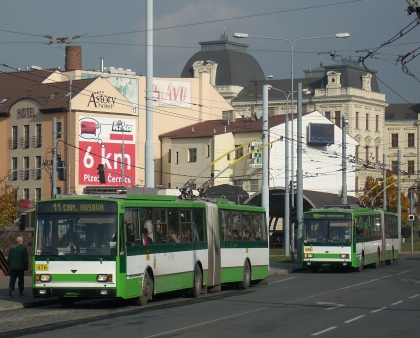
{"x": 73, "y": 206}
{"x": 327, "y": 215}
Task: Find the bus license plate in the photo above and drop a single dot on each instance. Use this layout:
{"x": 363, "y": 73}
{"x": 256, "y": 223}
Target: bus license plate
{"x": 41, "y": 267}
{"x": 308, "y": 249}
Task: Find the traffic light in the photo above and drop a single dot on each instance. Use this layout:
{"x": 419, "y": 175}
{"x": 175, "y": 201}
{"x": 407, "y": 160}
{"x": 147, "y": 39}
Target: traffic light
{"x": 293, "y": 215}
{"x": 101, "y": 173}
{"x": 61, "y": 170}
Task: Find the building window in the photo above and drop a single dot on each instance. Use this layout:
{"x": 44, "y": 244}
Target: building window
{"x": 394, "y": 140}
{"x": 38, "y": 194}
{"x": 239, "y": 152}
{"x": 208, "y": 150}
{"x": 25, "y": 194}
{"x": 410, "y": 141}
{"x": 14, "y": 137}
{"x": 356, "y": 184}
{"x": 410, "y": 167}
{"x": 26, "y": 167}
{"x": 192, "y": 155}
{"x": 14, "y": 169}
{"x": 357, "y": 152}
{"x": 26, "y": 135}
{"x": 38, "y": 167}
{"x": 394, "y": 167}
{"x": 58, "y": 129}
{"x": 377, "y": 154}
{"x": 176, "y": 157}
{"x": 238, "y": 183}
{"x": 367, "y": 154}
{"x": 367, "y": 121}
{"x": 228, "y": 157}
{"x": 38, "y": 142}
{"x": 377, "y": 123}
{"x": 328, "y": 115}
{"x": 254, "y": 186}
{"x": 337, "y": 119}
{"x": 169, "y": 156}
{"x": 357, "y": 119}
{"x": 58, "y": 190}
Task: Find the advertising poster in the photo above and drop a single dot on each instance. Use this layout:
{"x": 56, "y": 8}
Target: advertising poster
{"x": 111, "y": 142}
{"x": 171, "y": 93}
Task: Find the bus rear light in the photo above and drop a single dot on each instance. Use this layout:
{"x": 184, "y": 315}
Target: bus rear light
{"x": 309, "y": 255}
{"x": 345, "y": 256}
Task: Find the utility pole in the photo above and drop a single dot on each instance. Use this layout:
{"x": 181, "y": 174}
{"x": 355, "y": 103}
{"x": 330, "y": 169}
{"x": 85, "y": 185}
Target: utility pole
{"x": 384, "y": 178}
{"x": 344, "y": 160}
{"x": 299, "y": 175}
{"x": 399, "y": 196}
{"x": 54, "y": 158}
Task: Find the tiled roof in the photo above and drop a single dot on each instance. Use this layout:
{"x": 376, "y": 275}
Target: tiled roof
{"x": 28, "y": 84}
{"x": 402, "y": 112}
{"x": 218, "y": 127}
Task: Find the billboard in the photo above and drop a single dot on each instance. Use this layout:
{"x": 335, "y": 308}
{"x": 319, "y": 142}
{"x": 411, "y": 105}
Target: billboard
{"x": 171, "y": 93}
{"x": 107, "y": 141}
{"x": 321, "y": 134}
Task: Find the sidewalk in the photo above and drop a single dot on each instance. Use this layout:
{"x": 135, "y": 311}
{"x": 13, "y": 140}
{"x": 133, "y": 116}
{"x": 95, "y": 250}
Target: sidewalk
{"x": 17, "y": 302}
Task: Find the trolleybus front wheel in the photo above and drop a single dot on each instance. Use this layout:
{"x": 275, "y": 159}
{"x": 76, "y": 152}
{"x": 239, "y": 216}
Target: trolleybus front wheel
{"x": 147, "y": 291}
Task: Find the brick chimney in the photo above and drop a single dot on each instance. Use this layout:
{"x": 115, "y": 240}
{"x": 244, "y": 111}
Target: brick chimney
{"x": 73, "y": 58}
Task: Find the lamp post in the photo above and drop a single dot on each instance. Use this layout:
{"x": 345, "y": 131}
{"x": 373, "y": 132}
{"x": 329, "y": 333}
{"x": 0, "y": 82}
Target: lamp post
{"x": 121, "y": 125}
{"x": 292, "y": 46}
{"x": 68, "y": 165}
{"x": 286, "y": 177}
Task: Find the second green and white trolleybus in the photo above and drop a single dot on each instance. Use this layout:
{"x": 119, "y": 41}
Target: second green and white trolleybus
{"x": 349, "y": 238}
{"x": 141, "y": 245}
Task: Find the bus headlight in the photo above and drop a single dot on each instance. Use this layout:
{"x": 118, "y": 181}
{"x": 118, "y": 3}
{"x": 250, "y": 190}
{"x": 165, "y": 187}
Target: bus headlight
{"x": 43, "y": 278}
{"x": 104, "y": 278}
{"x": 345, "y": 256}
{"x": 309, "y": 255}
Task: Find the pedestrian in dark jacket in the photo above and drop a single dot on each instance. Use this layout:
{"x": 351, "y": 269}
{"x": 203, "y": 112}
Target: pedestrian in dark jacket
{"x": 18, "y": 264}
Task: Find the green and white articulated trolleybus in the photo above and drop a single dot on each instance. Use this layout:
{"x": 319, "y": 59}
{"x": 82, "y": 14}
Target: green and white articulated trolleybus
{"x": 349, "y": 238}
{"x": 141, "y": 245}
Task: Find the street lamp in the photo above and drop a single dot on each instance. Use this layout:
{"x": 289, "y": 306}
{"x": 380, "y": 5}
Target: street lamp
{"x": 286, "y": 176}
{"x": 291, "y": 45}
{"x": 68, "y": 121}
{"x": 121, "y": 125}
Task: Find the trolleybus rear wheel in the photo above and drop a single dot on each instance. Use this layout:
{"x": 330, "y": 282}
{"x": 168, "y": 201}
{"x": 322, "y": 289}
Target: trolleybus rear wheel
{"x": 246, "y": 281}
{"x": 198, "y": 282}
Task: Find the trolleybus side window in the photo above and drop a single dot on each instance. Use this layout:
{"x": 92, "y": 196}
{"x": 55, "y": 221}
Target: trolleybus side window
{"x": 259, "y": 231}
{"x": 198, "y": 225}
{"x": 186, "y": 225}
{"x": 225, "y": 224}
{"x": 173, "y": 226}
{"x": 131, "y": 223}
{"x": 161, "y": 226}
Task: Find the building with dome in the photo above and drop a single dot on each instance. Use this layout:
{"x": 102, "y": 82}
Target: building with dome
{"x": 230, "y": 66}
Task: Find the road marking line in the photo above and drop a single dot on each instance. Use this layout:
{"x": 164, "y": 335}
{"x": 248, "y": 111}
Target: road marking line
{"x": 352, "y": 320}
{"x": 205, "y": 323}
{"x": 417, "y": 283}
{"x": 377, "y": 310}
{"x": 414, "y": 296}
{"x": 282, "y": 280}
{"x": 323, "y": 331}
{"x": 336, "y": 305}
{"x": 400, "y": 301}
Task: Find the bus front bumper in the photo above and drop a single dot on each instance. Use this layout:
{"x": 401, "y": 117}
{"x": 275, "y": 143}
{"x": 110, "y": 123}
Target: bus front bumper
{"x": 67, "y": 292}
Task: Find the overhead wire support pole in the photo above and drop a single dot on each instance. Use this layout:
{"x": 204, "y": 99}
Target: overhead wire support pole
{"x": 344, "y": 160}
{"x": 399, "y": 197}
{"x": 384, "y": 179}
{"x": 265, "y": 190}
{"x": 149, "y": 146}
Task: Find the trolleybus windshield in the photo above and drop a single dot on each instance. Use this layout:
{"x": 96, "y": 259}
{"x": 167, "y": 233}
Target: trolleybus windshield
{"x": 329, "y": 231}
{"x": 83, "y": 234}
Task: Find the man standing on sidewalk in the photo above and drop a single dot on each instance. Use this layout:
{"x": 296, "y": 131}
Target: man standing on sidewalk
{"x": 18, "y": 264}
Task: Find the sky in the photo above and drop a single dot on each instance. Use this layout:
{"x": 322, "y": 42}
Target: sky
{"x": 115, "y": 30}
